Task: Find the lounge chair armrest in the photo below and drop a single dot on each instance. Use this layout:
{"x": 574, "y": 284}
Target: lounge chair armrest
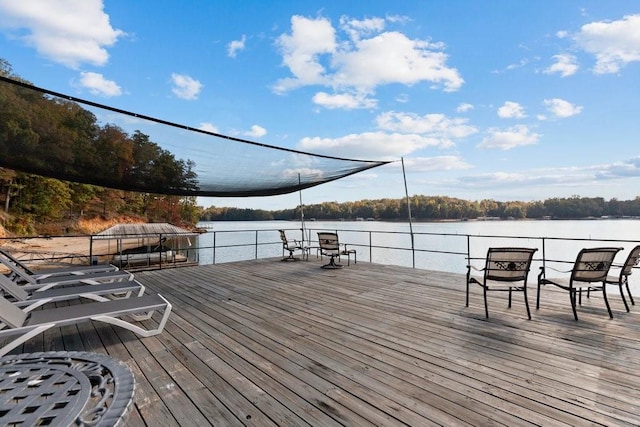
{"x": 471, "y": 267}
{"x": 35, "y": 305}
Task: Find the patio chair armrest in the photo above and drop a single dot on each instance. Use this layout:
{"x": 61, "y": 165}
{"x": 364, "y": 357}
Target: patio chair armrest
{"x": 555, "y": 269}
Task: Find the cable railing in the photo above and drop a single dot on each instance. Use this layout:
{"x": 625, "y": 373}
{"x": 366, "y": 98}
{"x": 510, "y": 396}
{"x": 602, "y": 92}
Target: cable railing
{"x": 440, "y": 251}
{"x": 454, "y": 250}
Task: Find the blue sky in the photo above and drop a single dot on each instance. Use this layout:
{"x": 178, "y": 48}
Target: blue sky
{"x": 503, "y": 100}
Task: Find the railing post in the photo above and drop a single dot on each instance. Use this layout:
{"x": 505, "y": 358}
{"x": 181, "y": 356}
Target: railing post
{"x": 214, "y": 247}
{"x": 468, "y": 249}
{"x": 370, "y": 248}
{"x": 91, "y": 249}
{"x": 256, "y": 252}
{"x": 544, "y": 257}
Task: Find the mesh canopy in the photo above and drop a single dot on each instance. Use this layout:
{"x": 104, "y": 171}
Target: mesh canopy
{"x": 54, "y": 135}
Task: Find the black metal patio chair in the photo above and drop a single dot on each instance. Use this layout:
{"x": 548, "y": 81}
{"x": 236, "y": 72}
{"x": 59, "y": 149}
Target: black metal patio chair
{"x": 589, "y": 273}
{"x": 292, "y": 245}
{"x": 329, "y": 245}
{"x": 505, "y": 270}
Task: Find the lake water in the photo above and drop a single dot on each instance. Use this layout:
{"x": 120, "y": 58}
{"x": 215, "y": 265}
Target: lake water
{"x": 442, "y": 246}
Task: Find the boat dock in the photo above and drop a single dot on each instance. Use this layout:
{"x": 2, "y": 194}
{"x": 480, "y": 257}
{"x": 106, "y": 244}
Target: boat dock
{"x": 265, "y": 342}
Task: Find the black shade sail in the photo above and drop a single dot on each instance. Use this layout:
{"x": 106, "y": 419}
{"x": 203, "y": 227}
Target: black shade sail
{"x": 58, "y": 136}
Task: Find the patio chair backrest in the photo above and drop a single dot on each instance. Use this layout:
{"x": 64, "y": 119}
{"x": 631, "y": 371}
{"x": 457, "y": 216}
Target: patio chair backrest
{"x": 11, "y": 315}
{"x": 508, "y": 264}
{"x": 328, "y": 241}
{"x": 288, "y": 244}
{"x": 632, "y": 260}
{"x": 593, "y": 264}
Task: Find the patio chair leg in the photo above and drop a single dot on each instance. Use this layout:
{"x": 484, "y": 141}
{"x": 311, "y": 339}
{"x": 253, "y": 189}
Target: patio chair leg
{"x": 572, "y": 297}
{"x": 626, "y": 282}
{"x": 606, "y": 300}
{"x": 624, "y": 300}
{"x": 486, "y": 306}
{"x": 290, "y": 257}
{"x": 509, "y": 297}
{"x": 467, "y": 303}
{"x": 526, "y": 303}
{"x": 332, "y": 263}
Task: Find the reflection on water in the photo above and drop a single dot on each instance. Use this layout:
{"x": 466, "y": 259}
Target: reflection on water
{"x": 390, "y": 242}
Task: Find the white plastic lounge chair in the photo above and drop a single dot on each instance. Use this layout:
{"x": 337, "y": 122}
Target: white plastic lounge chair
{"x": 7, "y": 258}
{"x": 26, "y": 323}
{"x": 589, "y": 272}
{"x": 622, "y": 279}
{"x": 505, "y": 270}
{"x": 292, "y": 245}
{"x": 330, "y": 246}
{"x": 31, "y": 283}
{"x": 98, "y": 292}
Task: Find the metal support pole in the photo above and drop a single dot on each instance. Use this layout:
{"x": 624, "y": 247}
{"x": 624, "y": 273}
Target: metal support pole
{"x": 406, "y": 191}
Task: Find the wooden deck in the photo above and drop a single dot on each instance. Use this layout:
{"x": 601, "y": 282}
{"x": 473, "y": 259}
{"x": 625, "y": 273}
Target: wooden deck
{"x": 275, "y": 343}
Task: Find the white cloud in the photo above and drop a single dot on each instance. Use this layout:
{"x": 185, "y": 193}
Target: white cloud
{"x": 309, "y": 38}
{"x": 614, "y": 43}
{"x": 185, "y": 87}
{"x": 255, "y": 132}
{"x": 366, "y": 64}
{"x": 402, "y": 98}
{"x": 434, "y": 125}
{"x": 399, "y": 134}
{"x": 359, "y": 64}
{"x": 209, "y": 127}
{"x": 98, "y": 85}
{"x": 561, "y": 108}
{"x": 377, "y": 145}
{"x": 564, "y": 177}
{"x": 70, "y": 32}
{"x": 464, "y": 107}
{"x": 518, "y": 64}
{"x": 235, "y": 46}
{"x": 433, "y": 164}
{"x": 307, "y": 172}
{"x": 344, "y": 101}
{"x": 358, "y": 28}
{"x": 622, "y": 169}
{"x": 509, "y": 138}
{"x": 565, "y": 65}
{"x": 511, "y": 110}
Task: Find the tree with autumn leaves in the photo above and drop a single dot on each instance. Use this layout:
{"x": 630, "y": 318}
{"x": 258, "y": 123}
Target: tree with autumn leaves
{"x": 41, "y": 133}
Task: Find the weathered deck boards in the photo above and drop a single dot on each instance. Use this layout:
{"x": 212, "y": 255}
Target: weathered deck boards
{"x": 274, "y": 343}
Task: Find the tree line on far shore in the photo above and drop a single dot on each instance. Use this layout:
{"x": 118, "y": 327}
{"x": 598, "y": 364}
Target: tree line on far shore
{"x": 438, "y": 208}
{"x": 34, "y": 204}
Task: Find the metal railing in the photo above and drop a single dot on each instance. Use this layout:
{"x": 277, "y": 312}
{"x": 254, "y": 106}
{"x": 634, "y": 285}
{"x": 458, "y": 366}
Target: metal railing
{"x": 379, "y": 247}
{"x": 426, "y": 250}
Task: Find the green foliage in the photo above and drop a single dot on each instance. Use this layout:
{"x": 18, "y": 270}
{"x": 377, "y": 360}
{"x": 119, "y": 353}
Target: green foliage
{"x": 436, "y": 208}
{"x": 58, "y": 138}
{"x": 235, "y": 214}
{"x": 45, "y": 199}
